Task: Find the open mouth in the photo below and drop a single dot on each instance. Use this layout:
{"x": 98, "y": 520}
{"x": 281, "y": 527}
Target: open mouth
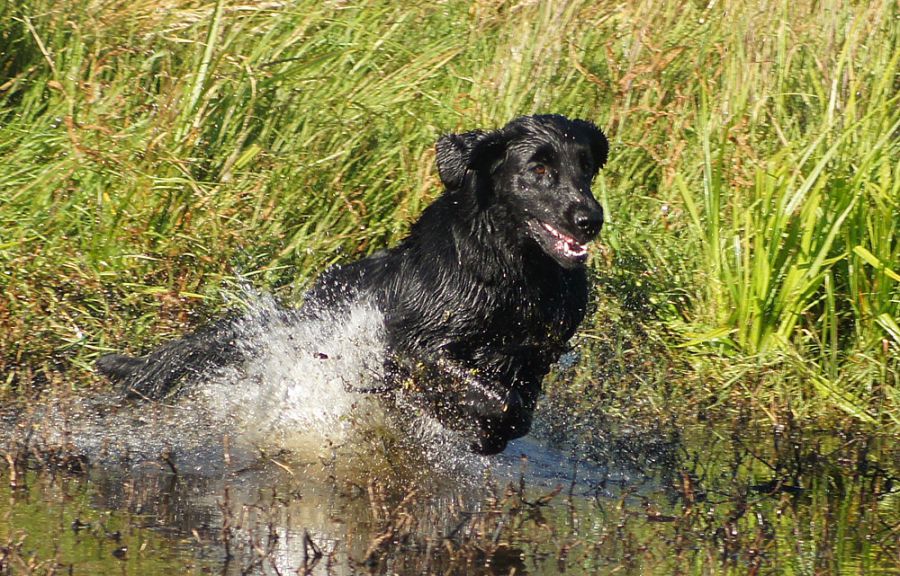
{"x": 561, "y": 245}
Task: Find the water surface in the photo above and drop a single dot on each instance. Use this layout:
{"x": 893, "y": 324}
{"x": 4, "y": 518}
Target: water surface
{"x": 715, "y": 501}
{"x": 284, "y": 466}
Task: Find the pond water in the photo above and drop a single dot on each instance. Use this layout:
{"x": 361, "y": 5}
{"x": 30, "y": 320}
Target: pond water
{"x": 701, "y": 500}
{"x": 284, "y": 467}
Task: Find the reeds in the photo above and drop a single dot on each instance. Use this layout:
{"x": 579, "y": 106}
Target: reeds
{"x": 148, "y": 152}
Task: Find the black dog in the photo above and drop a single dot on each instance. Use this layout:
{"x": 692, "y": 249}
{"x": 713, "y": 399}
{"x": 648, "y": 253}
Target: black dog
{"x": 478, "y": 301}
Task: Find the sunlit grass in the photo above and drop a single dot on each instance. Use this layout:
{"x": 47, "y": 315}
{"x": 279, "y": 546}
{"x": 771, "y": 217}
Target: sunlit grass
{"x": 150, "y": 152}
{"x": 788, "y": 249}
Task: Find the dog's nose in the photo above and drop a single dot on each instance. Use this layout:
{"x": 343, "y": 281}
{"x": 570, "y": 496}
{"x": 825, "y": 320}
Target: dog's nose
{"x": 589, "y": 220}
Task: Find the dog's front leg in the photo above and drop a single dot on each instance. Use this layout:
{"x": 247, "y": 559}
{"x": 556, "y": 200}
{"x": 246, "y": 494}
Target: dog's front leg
{"x": 464, "y": 399}
{"x": 450, "y": 386}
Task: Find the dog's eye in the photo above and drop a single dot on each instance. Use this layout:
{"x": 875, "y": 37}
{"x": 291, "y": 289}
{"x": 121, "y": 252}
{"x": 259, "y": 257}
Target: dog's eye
{"x": 539, "y": 169}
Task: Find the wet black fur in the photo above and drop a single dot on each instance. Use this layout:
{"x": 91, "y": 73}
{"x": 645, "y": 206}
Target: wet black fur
{"x": 477, "y": 302}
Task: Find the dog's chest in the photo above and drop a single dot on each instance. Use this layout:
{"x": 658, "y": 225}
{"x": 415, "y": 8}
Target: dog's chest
{"x": 545, "y": 313}
{"x": 489, "y": 309}
{"x": 515, "y": 314}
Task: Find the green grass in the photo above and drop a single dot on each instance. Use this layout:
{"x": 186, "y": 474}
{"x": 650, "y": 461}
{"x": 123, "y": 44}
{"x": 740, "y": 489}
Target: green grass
{"x": 152, "y": 151}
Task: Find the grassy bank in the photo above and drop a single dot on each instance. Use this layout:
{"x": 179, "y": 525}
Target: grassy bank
{"x": 150, "y": 152}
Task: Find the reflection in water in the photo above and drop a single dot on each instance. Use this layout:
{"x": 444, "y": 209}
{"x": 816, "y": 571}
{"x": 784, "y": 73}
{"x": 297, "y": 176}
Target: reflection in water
{"x": 715, "y": 502}
{"x": 274, "y": 513}
{"x": 280, "y": 466}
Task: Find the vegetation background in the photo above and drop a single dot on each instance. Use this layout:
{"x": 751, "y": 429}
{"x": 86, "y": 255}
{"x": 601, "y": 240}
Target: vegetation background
{"x": 156, "y": 154}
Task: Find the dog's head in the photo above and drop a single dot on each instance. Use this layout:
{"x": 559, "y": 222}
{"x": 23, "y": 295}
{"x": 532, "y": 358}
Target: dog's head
{"x": 540, "y": 168}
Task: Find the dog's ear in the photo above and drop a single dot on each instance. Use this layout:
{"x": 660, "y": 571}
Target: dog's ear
{"x": 454, "y": 152}
{"x": 598, "y": 142}
{"x": 489, "y": 151}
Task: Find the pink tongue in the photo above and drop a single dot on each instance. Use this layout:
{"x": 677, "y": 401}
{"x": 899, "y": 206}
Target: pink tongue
{"x": 570, "y": 249}
{"x": 565, "y": 245}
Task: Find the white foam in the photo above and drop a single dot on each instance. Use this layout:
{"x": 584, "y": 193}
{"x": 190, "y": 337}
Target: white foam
{"x": 300, "y": 387}
{"x": 303, "y": 389}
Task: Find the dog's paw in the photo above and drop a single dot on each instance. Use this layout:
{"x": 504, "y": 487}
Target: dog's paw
{"x": 487, "y": 401}
{"x": 496, "y": 418}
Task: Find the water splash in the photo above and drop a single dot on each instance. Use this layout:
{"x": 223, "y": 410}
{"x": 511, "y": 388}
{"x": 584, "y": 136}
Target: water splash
{"x": 304, "y": 388}
{"x": 300, "y": 388}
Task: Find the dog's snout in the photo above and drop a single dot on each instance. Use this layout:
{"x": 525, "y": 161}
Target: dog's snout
{"x": 589, "y": 220}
